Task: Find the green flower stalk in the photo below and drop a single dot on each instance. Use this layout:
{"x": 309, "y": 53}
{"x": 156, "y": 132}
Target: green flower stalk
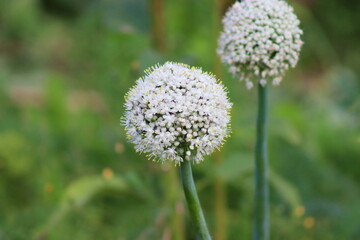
{"x": 196, "y": 214}
{"x": 261, "y": 40}
{"x": 178, "y": 114}
{"x": 261, "y": 210}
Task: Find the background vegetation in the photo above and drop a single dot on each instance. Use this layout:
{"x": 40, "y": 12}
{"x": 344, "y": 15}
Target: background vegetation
{"x": 67, "y": 172}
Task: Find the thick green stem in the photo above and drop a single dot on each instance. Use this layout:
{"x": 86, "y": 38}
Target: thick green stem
{"x": 261, "y": 211}
{"x": 196, "y": 214}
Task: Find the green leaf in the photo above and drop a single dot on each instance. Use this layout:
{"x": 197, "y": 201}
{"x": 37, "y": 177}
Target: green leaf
{"x": 15, "y": 153}
{"x": 285, "y": 189}
{"x": 241, "y": 166}
{"x": 82, "y": 191}
{"x": 234, "y": 167}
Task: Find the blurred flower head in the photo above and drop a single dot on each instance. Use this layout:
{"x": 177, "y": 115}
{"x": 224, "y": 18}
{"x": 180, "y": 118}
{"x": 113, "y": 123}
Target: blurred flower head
{"x": 299, "y": 211}
{"x": 107, "y": 173}
{"x": 176, "y": 113}
{"x": 260, "y": 40}
{"x": 309, "y": 222}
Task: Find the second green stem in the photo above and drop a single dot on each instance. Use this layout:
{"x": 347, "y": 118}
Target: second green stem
{"x": 261, "y": 211}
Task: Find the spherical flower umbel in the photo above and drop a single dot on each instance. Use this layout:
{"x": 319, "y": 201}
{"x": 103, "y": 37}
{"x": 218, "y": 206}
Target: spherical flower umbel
{"x": 177, "y": 113}
{"x": 260, "y": 40}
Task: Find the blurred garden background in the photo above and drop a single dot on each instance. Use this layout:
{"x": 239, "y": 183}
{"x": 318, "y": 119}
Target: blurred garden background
{"x": 67, "y": 171}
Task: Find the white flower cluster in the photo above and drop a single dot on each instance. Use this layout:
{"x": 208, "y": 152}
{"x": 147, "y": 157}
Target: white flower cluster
{"x": 177, "y": 113}
{"x": 260, "y": 40}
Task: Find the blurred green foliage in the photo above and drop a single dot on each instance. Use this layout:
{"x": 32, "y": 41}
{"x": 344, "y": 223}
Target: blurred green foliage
{"x": 67, "y": 172}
